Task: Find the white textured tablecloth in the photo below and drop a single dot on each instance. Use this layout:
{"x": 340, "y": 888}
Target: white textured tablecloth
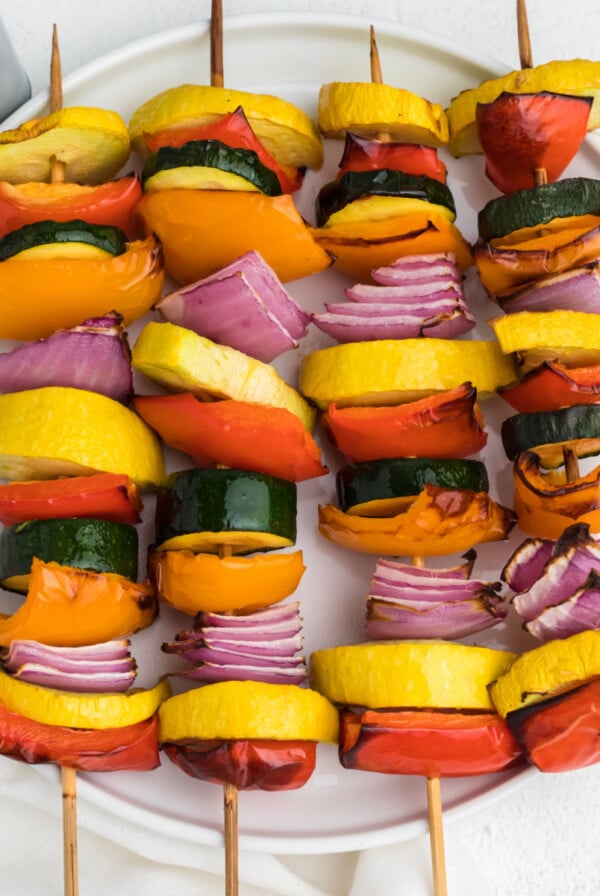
{"x": 539, "y": 841}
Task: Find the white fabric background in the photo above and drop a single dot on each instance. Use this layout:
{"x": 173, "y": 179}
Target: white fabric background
{"x": 541, "y": 840}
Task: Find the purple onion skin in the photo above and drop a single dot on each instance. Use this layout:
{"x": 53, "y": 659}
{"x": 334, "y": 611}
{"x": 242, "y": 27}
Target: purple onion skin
{"x": 578, "y": 613}
{"x": 94, "y": 356}
{"x": 210, "y": 674}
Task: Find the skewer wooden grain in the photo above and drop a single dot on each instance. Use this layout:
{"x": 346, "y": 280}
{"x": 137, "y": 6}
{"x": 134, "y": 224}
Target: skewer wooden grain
{"x": 376, "y": 74}
{"x": 216, "y": 44}
{"x": 68, "y": 777}
{"x": 57, "y": 168}
{"x": 230, "y": 812}
{"x": 525, "y": 55}
{"x": 434, "y": 813}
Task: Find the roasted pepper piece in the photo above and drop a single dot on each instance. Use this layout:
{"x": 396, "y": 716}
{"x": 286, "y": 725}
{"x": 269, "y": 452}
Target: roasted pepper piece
{"x": 359, "y": 248}
{"x": 235, "y": 130}
{"x": 194, "y": 582}
{"x": 111, "y": 203}
{"x": 442, "y": 743}
{"x": 72, "y": 607}
{"x": 439, "y": 521}
{"x": 247, "y": 764}
{"x": 546, "y": 503}
{"x": 522, "y": 132}
{"x": 226, "y": 226}
{"x": 38, "y": 297}
{"x": 561, "y": 734}
{"x": 132, "y": 748}
{"x": 445, "y": 425}
{"x": 512, "y": 261}
{"x": 552, "y": 386}
{"x": 364, "y": 154}
{"x": 240, "y": 434}
{"x": 105, "y": 496}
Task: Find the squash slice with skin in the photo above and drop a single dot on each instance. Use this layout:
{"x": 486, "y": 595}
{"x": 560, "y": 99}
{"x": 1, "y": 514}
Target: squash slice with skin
{"x": 93, "y": 144}
{"x": 287, "y": 132}
{"x": 182, "y": 361}
{"x": 59, "y": 431}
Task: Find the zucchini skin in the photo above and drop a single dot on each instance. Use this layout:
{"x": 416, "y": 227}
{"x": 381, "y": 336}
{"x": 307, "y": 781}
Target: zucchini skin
{"x": 214, "y": 154}
{"x": 524, "y": 432}
{"x": 42, "y": 233}
{"x": 97, "y": 545}
{"x": 225, "y": 500}
{"x": 534, "y": 206}
{"x": 402, "y": 477}
{"x": 351, "y": 185}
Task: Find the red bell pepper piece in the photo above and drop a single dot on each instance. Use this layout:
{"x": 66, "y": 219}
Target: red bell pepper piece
{"x": 238, "y": 434}
{"x": 106, "y": 496}
{"x": 444, "y": 425}
{"x": 363, "y": 154}
{"x": 551, "y": 386}
{"x": 247, "y": 764}
{"x": 132, "y": 748}
{"x": 110, "y": 203}
{"x": 434, "y": 743}
{"x": 561, "y": 733}
{"x": 234, "y": 130}
{"x": 522, "y": 132}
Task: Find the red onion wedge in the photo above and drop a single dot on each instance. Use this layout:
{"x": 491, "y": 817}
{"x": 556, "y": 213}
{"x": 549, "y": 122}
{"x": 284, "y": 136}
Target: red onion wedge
{"x": 431, "y": 303}
{"x": 407, "y": 601}
{"x": 98, "y": 668}
{"x": 243, "y": 305}
{"x": 94, "y": 356}
{"x": 387, "y": 620}
{"x": 526, "y": 564}
{"x": 560, "y": 600}
{"x": 261, "y": 646}
{"x": 418, "y": 269}
{"x": 575, "y": 290}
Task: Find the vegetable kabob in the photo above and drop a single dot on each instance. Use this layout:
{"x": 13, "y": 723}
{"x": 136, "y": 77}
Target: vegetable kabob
{"x": 76, "y": 460}
{"x": 222, "y": 530}
{"x": 551, "y": 328}
{"x": 220, "y": 169}
{"x": 67, "y": 247}
{"x": 410, "y": 392}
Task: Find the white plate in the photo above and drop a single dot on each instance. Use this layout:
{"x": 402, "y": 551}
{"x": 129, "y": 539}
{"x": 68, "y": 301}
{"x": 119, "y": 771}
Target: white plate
{"x": 291, "y": 55}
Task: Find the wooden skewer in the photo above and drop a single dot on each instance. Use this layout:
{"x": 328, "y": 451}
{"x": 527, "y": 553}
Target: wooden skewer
{"x": 57, "y": 168}
{"x": 376, "y": 75}
{"x": 525, "y": 55}
{"x": 230, "y": 812}
{"x": 68, "y": 779}
{"x": 434, "y": 814}
{"x": 216, "y": 44}
{"x": 68, "y": 776}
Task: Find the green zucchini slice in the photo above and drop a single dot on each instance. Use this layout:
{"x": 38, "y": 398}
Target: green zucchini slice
{"x": 44, "y": 233}
{"x": 535, "y": 206}
{"x": 208, "y": 164}
{"x": 352, "y": 185}
{"x": 384, "y": 487}
{"x": 526, "y": 432}
{"x": 211, "y": 509}
{"x": 98, "y": 545}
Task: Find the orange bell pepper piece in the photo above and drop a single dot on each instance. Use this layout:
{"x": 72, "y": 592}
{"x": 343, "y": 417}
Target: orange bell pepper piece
{"x": 439, "y": 521}
{"x": 547, "y": 504}
{"x": 239, "y": 434}
{"x": 38, "y": 297}
{"x": 69, "y": 607}
{"x": 201, "y": 231}
{"x": 447, "y": 424}
{"x": 360, "y": 247}
{"x": 506, "y": 263}
{"x": 195, "y": 582}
